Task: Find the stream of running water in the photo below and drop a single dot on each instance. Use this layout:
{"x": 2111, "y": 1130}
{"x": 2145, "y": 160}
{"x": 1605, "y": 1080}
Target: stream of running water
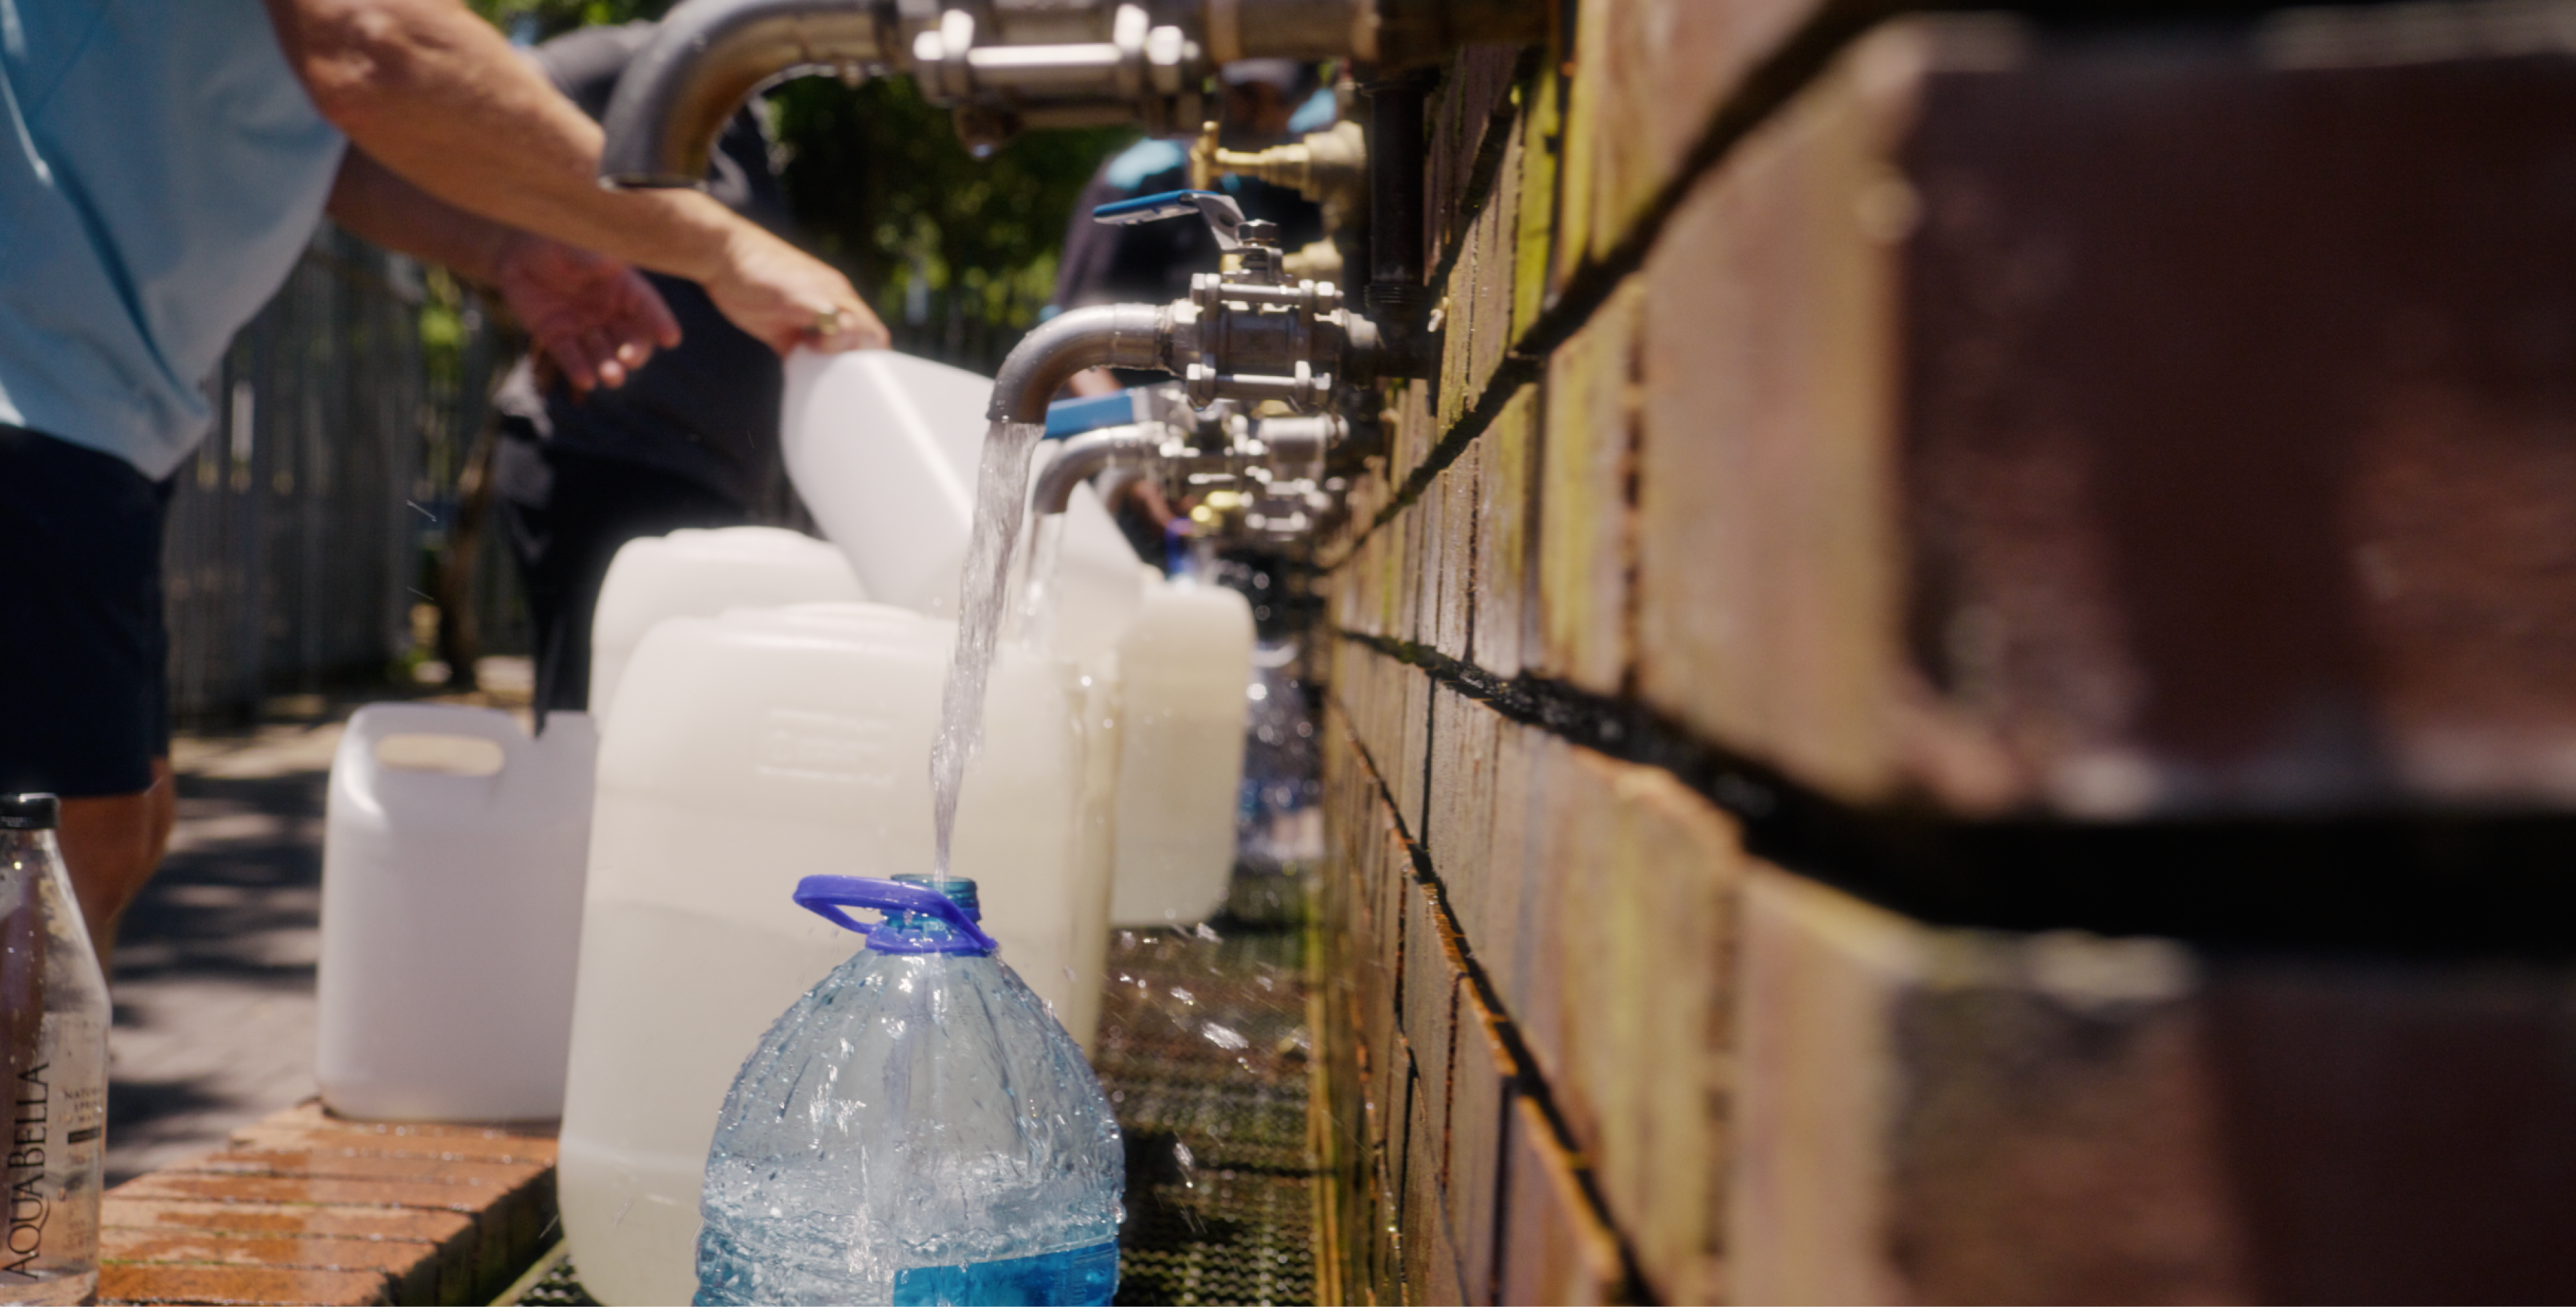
{"x": 1035, "y": 603}
{"x": 983, "y": 588}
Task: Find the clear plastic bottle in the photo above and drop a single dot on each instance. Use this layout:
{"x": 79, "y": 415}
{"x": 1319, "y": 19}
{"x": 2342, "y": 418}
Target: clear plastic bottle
{"x": 55, "y": 1003}
{"x": 916, "y": 1129}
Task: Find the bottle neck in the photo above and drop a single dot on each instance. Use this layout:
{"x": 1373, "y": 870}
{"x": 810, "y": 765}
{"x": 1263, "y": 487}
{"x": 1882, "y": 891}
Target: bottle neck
{"x": 27, "y": 846}
{"x": 924, "y": 932}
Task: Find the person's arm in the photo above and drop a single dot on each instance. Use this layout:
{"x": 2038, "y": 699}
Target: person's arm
{"x": 435, "y": 94}
{"x": 593, "y": 316}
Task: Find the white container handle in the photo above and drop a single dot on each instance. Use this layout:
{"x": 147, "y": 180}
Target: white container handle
{"x": 376, "y": 723}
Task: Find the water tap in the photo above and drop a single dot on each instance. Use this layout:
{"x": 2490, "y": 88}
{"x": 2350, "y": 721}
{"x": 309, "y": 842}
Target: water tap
{"x": 1250, "y": 333}
{"x": 1256, "y": 477}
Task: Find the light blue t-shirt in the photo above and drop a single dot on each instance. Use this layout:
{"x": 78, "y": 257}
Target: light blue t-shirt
{"x": 161, "y": 172}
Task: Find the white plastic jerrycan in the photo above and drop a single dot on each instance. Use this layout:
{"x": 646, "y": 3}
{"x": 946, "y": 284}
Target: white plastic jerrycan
{"x": 747, "y": 752}
{"x": 884, "y": 449}
{"x": 452, "y": 860}
{"x": 700, "y": 573}
{"x": 1183, "y": 670}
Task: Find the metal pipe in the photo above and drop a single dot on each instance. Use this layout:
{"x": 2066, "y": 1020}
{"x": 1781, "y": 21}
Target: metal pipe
{"x": 1412, "y": 33}
{"x": 708, "y": 57}
{"x": 1104, "y": 335}
{"x": 1395, "y": 190}
{"x": 1289, "y": 29}
{"x": 1084, "y": 455}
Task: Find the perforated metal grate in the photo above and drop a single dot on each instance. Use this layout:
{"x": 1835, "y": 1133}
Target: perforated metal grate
{"x": 1203, "y": 1052}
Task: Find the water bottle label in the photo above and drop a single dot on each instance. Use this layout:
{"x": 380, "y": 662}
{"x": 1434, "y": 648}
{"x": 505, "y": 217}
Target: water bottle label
{"x": 1086, "y": 1275}
{"x": 53, "y": 1152}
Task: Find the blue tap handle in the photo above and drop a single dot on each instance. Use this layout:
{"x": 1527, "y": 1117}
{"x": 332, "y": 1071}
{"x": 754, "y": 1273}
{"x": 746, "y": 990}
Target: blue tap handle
{"x": 825, "y": 896}
{"x": 1222, "y": 214}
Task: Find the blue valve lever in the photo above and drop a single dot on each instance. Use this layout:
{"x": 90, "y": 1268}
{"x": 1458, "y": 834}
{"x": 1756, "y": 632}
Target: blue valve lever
{"x": 1221, "y": 213}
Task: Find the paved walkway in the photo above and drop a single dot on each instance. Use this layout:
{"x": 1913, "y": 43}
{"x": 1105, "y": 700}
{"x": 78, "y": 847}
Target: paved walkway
{"x": 214, "y": 970}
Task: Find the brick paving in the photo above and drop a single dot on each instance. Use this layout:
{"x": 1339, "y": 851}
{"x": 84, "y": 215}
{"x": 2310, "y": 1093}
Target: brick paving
{"x": 307, "y": 1209}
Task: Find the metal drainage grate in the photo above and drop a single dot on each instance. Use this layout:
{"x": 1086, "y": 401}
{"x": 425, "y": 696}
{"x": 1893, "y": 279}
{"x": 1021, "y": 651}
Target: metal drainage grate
{"x": 1203, "y": 1051}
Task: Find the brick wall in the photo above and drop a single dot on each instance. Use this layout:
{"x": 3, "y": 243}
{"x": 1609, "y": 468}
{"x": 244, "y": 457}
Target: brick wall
{"x": 1960, "y": 689}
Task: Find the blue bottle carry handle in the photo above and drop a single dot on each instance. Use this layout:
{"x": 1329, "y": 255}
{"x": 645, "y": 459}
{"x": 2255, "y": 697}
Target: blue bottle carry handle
{"x": 825, "y": 896}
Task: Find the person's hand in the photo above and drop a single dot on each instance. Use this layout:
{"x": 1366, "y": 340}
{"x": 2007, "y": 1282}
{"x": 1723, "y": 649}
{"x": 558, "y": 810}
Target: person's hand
{"x": 784, "y": 297}
{"x": 596, "y": 318}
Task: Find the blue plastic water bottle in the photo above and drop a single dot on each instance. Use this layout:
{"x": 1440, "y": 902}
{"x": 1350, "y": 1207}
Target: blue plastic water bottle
{"x": 916, "y": 1129}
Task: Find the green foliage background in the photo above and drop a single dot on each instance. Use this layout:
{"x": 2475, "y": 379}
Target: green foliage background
{"x": 958, "y": 254}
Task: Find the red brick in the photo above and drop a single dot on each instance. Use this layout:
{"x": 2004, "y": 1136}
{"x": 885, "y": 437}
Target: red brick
{"x": 1510, "y": 883}
{"x": 311, "y": 1115}
{"x": 342, "y": 1164}
{"x": 1475, "y": 87}
{"x": 504, "y": 1148}
{"x": 1386, "y": 1261}
{"x": 1441, "y": 1282}
{"x": 1643, "y": 938}
{"x": 1952, "y": 1115}
{"x": 192, "y": 1186}
{"x": 122, "y": 1210}
{"x": 507, "y": 1219}
{"x": 1918, "y": 516}
{"x": 1422, "y": 573}
{"x": 1534, "y": 221}
{"x": 1538, "y": 981}
{"x": 1433, "y": 972}
{"x": 1418, "y": 1220}
{"x": 1388, "y": 995}
{"x": 1413, "y": 434}
{"x": 117, "y": 1244}
{"x": 1458, "y": 577}
{"x": 1764, "y": 544}
{"x": 1497, "y": 256}
{"x": 1504, "y": 536}
{"x": 410, "y": 1270}
{"x": 1584, "y": 140}
{"x": 1482, "y": 1075}
{"x": 1410, "y": 767}
{"x": 1808, "y": 1211}
{"x": 1586, "y": 532}
{"x": 238, "y": 1284}
{"x": 1664, "y": 68}
{"x": 1557, "y": 1249}
{"x": 1462, "y": 806}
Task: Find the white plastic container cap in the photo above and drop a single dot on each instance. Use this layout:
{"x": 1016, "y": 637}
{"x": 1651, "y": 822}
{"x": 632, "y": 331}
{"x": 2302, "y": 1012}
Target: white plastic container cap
{"x": 700, "y": 573}
{"x": 451, "y": 908}
{"x": 883, "y": 447}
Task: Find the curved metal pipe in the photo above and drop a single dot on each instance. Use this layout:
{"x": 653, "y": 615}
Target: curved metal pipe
{"x": 1084, "y": 455}
{"x": 1104, "y": 335}
{"x": 708, "y": 57}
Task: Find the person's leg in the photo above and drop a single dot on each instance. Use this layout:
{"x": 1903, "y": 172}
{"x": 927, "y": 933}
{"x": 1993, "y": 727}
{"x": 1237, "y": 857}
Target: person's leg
{"x": 111, "y": 846}
{"x": 523, "y": 496}
{"x": 82, "y": 712}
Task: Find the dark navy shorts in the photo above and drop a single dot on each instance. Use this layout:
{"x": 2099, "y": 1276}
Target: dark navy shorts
{"x": 84, "y": 657}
